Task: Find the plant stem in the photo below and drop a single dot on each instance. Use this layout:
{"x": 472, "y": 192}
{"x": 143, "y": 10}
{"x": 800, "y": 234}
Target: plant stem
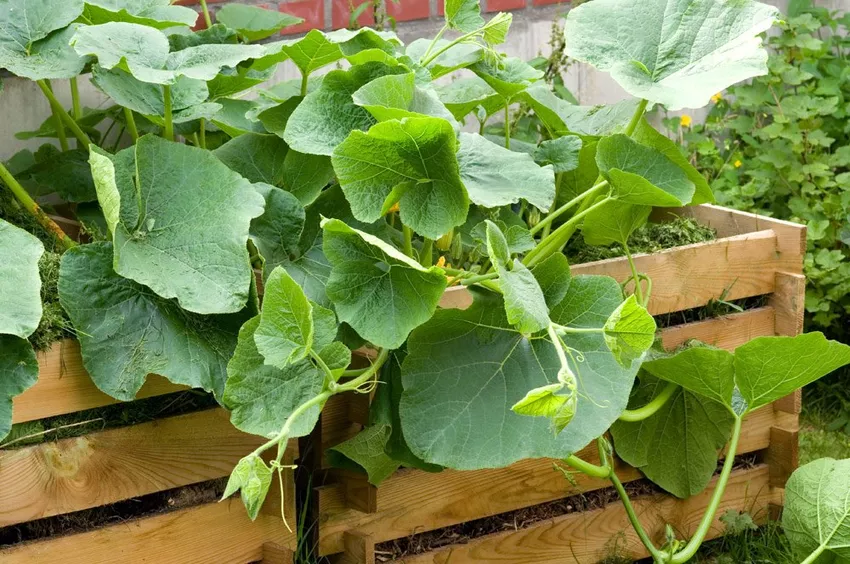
{"x": 131, "y": 124}
{"x": 479, "y": 278}
{"x": 647, "y": 411}
{"x": 408, "y": 240}
{"x": 507, "y": 126}
{"x": 69, "y": 121}
{"x": 555, "y": 214}
{"x": 558, "y": 238}
{"x": 304, "y": 83}
{"x": 435, "y": 40}
{"x": 329, "y": 377}
{"x": 656, "y": 554}
{"x": 57, "y": 123}
{"x": 641, "y": 109}
{"x": 812, "y": 558}
{"x": 203, "y": 138}
{"x": 168, "y": 132}
{"x": 427, "y": 61}
{"x": 592, "y": 470}
{"x": 427, "y": 256}
{"x": 638, "y": 288}
{"x": 207, "y": 19}
{"x": 29, "y": 204}
{"x": 708, "y": 518}
{"x": 75, "y": 99}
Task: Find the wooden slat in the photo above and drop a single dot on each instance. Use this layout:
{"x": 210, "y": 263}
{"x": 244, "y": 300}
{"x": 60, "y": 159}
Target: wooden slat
{"x": 412, "y": 501}
{"x": 110, "y": 466}
{"x": 215, "y": 532}
{"x": 580, "y": 538}
{"x": 64, "y": 386}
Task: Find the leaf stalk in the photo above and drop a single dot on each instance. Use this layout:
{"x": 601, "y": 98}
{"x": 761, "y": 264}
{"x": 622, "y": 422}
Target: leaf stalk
{"x": 168, "y": 132}
{"x": 56, "y": 106}
{"x": 650, "y": 409}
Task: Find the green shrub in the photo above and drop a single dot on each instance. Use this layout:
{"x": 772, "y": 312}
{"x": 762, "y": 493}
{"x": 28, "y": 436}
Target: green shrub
{"x": 780, "y": 146}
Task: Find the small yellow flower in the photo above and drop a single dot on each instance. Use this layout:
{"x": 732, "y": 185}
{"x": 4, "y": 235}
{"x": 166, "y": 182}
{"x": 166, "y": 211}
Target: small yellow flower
{"x": 737, "y": 164}
{"x": 685, "y": 121}
{"x": 394, "y": 208}
{"x": 441, "y": 262}
{"x": 717, "y": 97}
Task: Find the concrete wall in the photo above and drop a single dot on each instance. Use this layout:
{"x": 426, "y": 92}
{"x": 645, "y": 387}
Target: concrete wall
{"x": 22, "y": 106}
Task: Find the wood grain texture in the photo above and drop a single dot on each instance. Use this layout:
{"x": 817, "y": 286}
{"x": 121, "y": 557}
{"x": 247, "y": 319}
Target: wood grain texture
{"x": 581, "y": 538}
{"x": 412, "y": 501}
{"x": 215, "y": 532}
{"x": 101, "y": 468}
{"x": 64, "y": 386}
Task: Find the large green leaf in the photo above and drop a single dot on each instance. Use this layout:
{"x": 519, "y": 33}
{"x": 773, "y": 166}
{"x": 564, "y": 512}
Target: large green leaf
{"x": 153, "y": 13}
{"x": 145, "y": 98}
{"x": 262, "y": 397}
{"x": 20, "y": 282}
{"x": 562, "y": 117}
{"x": 127, "y": 332}
{"x": 285, "y": 332}
{"x": 817, "y": 509}
{"x": 677, "y": 447}
{"x": 677, "y": 53}
{"x": 508, "y": 76}
{"x": 562, "y": 153}
{"x": 411, "y": 162}
{"x": 318, "y": 49}
{"x": 18, "y": 372}
{"x": 614, "y": 222}
{"x": 454, "y": 58}
{"x": 253, "y": 22}
{"x": 67, "y": 174}
{"x": 366, "y": 451}
{"x": 494, "y": 176}
{"x": 326, "y": 117}
{"x": 397, "y": 96}
{"x": 465, "y": 369}
{"x": 257, "y": 157}
{"x": 49, "y": 58}
{"x": 465, "y": 95}
{"x": 704, "y": 371}
{"x": 144, "y": 52}
{"x": 377, "y": 290}
{"x": 181, "y": 227}
{"x": 641, "y": 174}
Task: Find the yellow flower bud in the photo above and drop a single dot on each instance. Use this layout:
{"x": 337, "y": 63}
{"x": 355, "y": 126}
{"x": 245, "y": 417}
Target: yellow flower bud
{"x": 685, "y": 121}
{"x": 394, "y": 208}
{"x": 441, "y": 262}
{"x": 737, "y": 164}
{"x": 716, "y": 98}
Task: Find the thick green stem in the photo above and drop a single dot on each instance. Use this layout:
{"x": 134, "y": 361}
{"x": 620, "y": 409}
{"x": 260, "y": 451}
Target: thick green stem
{"x": 408, "y": 240}
{"x": 304, "y": 83}
{"x": 812, "y": 558}
{"x": 708, "y": 518}
{"x": 555, "y": 214}
{"x": 656, "y": 554}
{"x": 33, "y": 208}
{"x": 131, "y": 124}
{"x": 75, "y": 99}
{"x": 435, "y": 40}
{"x": 558, "y": 238}
{"x": 207, "y": 19}
{"x": 203, "y": 137}
{"x": 57, "y": 122}
{"x": 647, "y": 411}
{"x": 592, "y": 470}
{"x": 633, "y": 267}
{"x": 507, "y": 125}
{"x": 641, "y": 109}
{"x": 426, "y": 257}
{"x": 428, "y": 60}
{"x": 480, "y": 278}
{"x": 168, "y": 132}
{"x": 56, "y": 106}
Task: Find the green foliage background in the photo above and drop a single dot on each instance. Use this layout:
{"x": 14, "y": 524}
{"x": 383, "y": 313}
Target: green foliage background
{"x": 780, "y": 146}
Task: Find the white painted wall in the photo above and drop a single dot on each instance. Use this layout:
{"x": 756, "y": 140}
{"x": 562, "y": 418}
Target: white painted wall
{"x": 22, "y": 106}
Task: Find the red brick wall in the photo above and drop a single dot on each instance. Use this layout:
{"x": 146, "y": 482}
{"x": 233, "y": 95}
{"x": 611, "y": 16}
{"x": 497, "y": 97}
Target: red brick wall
{"x": 334, "y": 14}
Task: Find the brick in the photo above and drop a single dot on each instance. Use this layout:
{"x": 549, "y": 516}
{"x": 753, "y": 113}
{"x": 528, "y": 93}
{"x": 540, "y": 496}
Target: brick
{"x": 407, "y": 10}
{"x": 341, "y": 13}
{"x": 504, "y": 5}
{"x": 311, "y": 11}
{"x": 550, "y": 2}
{"x": 196, "y": 3}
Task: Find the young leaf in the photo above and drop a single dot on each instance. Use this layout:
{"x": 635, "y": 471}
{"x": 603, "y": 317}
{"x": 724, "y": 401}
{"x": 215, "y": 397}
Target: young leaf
{"x": 614, "y": 222}
{"x": 261, "y": 397}
{"x": 20, "y": 282}
{"x": 411, "y": 162}
{"x": 703, "y": 371}
{"x": 562, "y": 153}
{"x": 553, "y": 276}
{"x": 465, "y": 95}
{"x": 463, "y": 15}
{"x": 525, "y": 304}
{"x": 237, "y": 117}
{"x": 159, "y": 14}
{"x": 642, "y": 175}
{"x": 253, "y": 22}
{"x": 676, "y": 54}
{"x": 127, "y": 332}
{"x": 380, "y": 292}
{"x": 19, "y": 367}
{"x": 562, "y": 117}
{"x": 182, "y": 227}
{"x": 285, "y": 333}
{"x": 466, "y": 366}
{"x": 677, "y": 446}
{"x": 326, "y": 117}
{"x": 454, "y": 58}
{"x": 366, "y": 451}
{"x": 495, "y": 177}
{"x": 817, "y": 509}
{"x": 508, "y": 76}
{"x": 549, "y": 401}
{"x": 396, "y": 96}
{"x": 629, "y": 331}
{"x": 252, "y": 478}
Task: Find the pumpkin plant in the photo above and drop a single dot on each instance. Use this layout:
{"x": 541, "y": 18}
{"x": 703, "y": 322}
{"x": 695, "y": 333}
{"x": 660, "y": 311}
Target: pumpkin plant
{"x": 360, "y": 196}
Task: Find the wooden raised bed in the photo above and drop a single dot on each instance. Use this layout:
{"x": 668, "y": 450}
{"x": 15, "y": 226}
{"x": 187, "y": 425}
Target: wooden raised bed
{"x": 752, "y": 256}
{"x": 103, "y": 468}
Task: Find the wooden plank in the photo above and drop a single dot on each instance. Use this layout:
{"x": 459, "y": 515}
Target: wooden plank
{"x": 274, "y": 553}
{"x": 110, "y": 466}
{"x": 783, "y": 455}
{"x": 580, "y": 538}
{"x": 64, "y": 386}
{"x": 215, "y": 532}
{"x": 727, "y": 332}
{"x": 359, "y": 549}
{"x": 789, "y": 301}
{"x": 412, "y": 501}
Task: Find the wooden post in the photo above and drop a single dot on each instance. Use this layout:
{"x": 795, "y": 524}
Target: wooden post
{"x": 274, "y": 553}
{"x": 359, "y": 493}
{"x": 359, "y": 549}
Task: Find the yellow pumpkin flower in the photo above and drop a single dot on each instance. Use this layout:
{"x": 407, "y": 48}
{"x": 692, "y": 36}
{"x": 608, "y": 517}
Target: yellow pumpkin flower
{"x": 685, "y": 121}
{"x": 717, "y": 97}
{"x": 394, "y": 208}
{"x": 441, "y": 262}
{"x": 737, "y": 164}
